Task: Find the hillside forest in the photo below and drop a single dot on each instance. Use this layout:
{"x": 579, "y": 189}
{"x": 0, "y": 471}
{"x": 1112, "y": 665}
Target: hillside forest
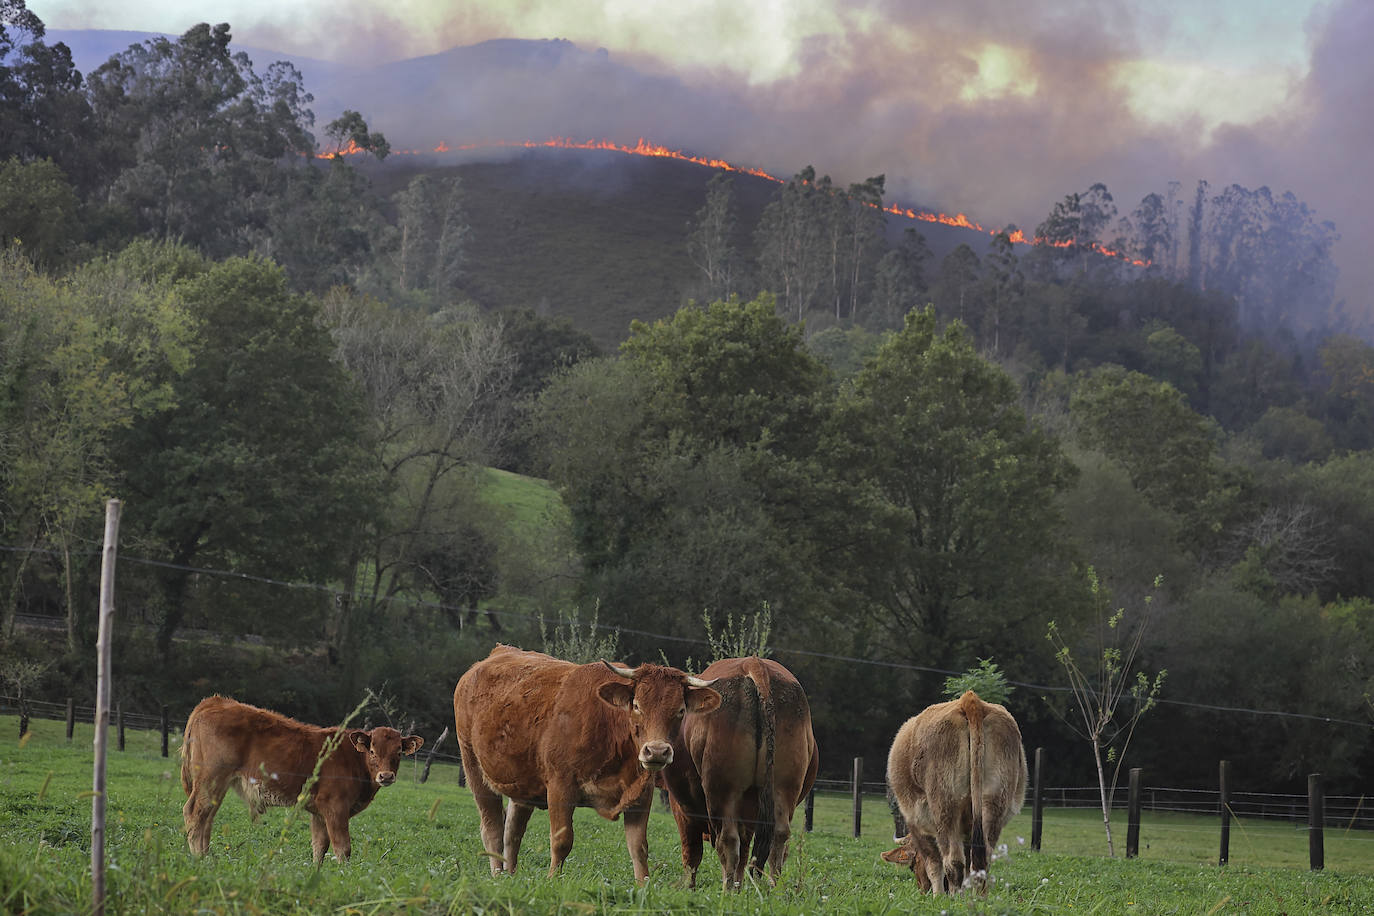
{"x": 369, "y": 416}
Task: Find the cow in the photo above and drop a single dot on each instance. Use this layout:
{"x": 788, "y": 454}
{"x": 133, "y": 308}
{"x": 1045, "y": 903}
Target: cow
{"x": 547, "y": 733}
{"x": 738, "y": 772}
{"x": 958, "y": 772}
{"x": 270, "y": 760}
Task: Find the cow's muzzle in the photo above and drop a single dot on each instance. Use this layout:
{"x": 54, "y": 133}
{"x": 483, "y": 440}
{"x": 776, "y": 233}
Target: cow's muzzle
{"x": 386, "y": 778}
{"x": 655, "y": 755}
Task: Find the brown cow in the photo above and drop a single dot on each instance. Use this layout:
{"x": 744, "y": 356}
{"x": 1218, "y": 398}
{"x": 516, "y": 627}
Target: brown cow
{"x": 547, "y": 733}
{"x": 269, "y": 758}
{"x": 958, "y": 771}
{"x": 739, "y": 772}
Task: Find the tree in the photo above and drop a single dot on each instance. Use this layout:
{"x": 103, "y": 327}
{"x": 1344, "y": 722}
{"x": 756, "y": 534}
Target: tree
{"x": 959, "y": 489}
{"x": 260, "y": 463}
{"x": 688, "y": 467}
{"x": 956, "y": 291}
{"x": 431, "y": 232}
{"x": 80, "y": 362}
{"x": 710, "y": 239}
{"x": 1004, "y": 289}
{"x": 792, "y": 240}
{"x": 866, "y": 225}
{"x": 38, "y": 209}
{"x": 195, "y": 141}
{"x": 349, "y": 134}
{"x": 1100, "y": 686}
{"x": 899, "y": 281}
{"x": 1147, "y": 426}
{"x": 436, "y": 390}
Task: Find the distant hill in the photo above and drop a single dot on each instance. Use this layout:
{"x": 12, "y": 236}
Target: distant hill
{"x": 598, "y": 236}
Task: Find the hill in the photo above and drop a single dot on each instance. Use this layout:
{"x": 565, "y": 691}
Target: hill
{"x": 598, "y": 236}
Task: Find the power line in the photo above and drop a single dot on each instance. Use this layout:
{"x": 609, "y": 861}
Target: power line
{"x": 529, "y": 618}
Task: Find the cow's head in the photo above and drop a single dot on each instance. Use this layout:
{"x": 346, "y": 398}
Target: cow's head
{"x": 657, "y": 698}
{"x": 907, "y": 856}
{"x": 382, "y": 749}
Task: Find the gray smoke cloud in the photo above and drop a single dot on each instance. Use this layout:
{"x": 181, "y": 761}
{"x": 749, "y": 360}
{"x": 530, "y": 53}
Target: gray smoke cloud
{"x": 888, "y": 91}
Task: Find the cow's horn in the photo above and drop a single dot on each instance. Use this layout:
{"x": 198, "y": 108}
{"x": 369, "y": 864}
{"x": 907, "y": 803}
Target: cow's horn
{"x": 623, "y": 672}
{"x": 698, "y": 682}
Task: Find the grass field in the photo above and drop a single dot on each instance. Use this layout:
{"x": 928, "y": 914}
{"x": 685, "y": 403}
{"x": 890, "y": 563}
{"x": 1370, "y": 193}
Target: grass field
{"x": 416, "y": 850}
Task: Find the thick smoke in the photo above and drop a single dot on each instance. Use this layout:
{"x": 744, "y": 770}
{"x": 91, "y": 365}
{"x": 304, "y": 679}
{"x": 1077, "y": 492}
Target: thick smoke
{"x": 966, "y": 105}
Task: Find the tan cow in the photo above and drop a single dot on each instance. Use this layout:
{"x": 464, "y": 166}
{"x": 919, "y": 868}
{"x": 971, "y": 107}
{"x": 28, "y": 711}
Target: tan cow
{"x": 958, "y": 772}
{"x": 269, "y": 758}
{"x": 739, "y": 772}
{"x": 547, "y": 733}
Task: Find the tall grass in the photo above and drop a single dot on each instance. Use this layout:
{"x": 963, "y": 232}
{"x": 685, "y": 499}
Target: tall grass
{"x": 416, "y": 850}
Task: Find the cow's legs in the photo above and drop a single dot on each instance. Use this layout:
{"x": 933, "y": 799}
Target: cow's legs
{"x": 319, "y": 837}
{"x": 927, "y": 857}
{"x": 336, "y": 823}
{"x": 951, "y": 842}
{"x": 201, "y": 805}
{"x": 562, "y": 803}
{"x": 728, "y": 843}
{"x": 691, "y": 830}
{"x": 517, "y": 818}
{"x": 488, "y": 807}
{"x": 637, "y": 840}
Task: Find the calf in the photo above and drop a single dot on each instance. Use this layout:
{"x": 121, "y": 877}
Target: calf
{"x": 269, "y": 760}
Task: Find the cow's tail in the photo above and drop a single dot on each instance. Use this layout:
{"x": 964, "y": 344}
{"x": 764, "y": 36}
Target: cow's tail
{"x": 766, "y": 741}
{"x": 972, "y": 708}
{"x": 186, "y": 754}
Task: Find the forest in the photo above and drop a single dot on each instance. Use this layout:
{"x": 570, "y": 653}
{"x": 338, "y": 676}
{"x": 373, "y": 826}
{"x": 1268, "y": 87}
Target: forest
{"x": 1141, "y": 440}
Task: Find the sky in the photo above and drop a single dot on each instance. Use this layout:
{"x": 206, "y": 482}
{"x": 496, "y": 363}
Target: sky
{"x": 993, "y": 108}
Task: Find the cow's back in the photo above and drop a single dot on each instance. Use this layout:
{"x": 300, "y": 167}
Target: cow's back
{"x": 928, "y": 763}
{"x": 734, "y": 735}
{"x": 265, "y": 750}
{"x": 502, "y": 708}
{"x": 1004, "y": 760}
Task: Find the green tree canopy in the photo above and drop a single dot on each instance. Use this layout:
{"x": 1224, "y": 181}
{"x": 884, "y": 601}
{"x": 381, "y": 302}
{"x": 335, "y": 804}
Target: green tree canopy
{"x": 968, "y": 545}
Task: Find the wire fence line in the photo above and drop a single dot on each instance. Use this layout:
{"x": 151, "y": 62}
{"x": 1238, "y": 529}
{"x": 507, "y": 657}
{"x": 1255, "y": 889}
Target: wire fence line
{"x": 534, "y": 619}
{"x": 1343, "y": 812}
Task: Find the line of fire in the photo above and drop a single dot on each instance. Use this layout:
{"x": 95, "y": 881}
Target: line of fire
{"x": 644, "y": 148}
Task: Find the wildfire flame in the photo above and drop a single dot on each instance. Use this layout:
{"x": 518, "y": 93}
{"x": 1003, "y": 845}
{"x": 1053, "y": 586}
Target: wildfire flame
{"x": 645, "y": 148}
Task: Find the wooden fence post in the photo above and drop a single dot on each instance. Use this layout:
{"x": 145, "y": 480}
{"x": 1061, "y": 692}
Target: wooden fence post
{"x": 102, "y": 706}
{"x": 858, "y": 794}
{"x": 119, "y": 724}
{"x": 71, "y": 717}
{"x": 1133, "y": 815}
{"x": 164, "y": 729}
{"x": 1038, "y": 800}
{"x": 1224, "y": 780}
{"x": 1316, "y": 820}
{"x": 424, "y": 777}
{"x": 810, "y": 809}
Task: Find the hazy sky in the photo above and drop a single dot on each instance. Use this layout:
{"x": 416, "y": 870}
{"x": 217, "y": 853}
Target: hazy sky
{"x": 987, "y": 106}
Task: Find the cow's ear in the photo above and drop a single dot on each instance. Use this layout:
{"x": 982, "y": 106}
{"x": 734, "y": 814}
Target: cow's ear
{"x": 702, "y": 699}
{"x": 411, "y": 743}
{"x": 360, "y": 739}
{"x": 617, "y": 693}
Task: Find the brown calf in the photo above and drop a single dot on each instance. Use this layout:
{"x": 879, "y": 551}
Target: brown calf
{"x": 546, "y": 733}
{"x": 268, "y": 759}
{"x": 958, "y": 772}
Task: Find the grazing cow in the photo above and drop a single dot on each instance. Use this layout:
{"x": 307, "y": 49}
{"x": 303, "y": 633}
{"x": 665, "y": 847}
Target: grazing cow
{"x": 269, "y": 760}
{"x": 547, "y": 733}
{"x": 958, "y": 771}
{"x": 739, "y": 772}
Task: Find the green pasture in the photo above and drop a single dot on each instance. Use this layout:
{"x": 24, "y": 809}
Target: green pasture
{"x": 416, "y": 850}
